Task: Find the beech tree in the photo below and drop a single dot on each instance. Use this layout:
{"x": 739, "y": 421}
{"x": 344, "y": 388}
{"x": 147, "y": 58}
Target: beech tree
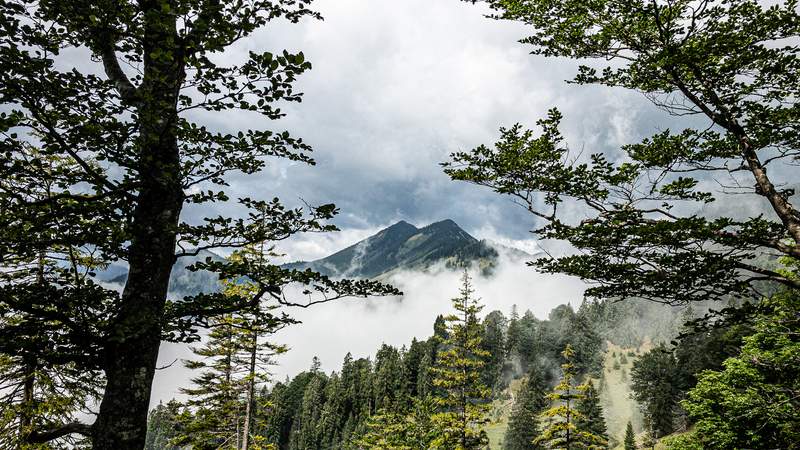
{"x": 754, "y": 400}
{"x": 114, "y": 88}
{"x": 732, "y": 66}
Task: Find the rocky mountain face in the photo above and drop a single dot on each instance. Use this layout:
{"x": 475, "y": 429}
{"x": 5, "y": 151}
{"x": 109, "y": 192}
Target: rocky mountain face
{"x": 403, "y": 246}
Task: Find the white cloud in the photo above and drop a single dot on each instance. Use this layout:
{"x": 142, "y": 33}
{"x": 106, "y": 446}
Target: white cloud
{"x": 360, "y": 326}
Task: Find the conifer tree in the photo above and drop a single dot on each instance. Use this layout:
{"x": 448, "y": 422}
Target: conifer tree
{"x": 333, "y": 414}
{"x": 37, "y": 288}
{"x": 655, "y": 383}
{"x": 590, "y": 418}
{"x": 513, "y": 333}
{"x": 388, "y": 380}
{"x": 215, "y": 396}
{"x": 493, "y": 342}
{"x": 389, "y": 430}
{"x": 523, "y": 425}
{"x": 305, "y": 430}
{"x": 163, "y": 425}
{"x": 560, "y": 430}
{"x": 464, "y": 399}
{"x": 425, "y": 378}
{"x": 234, "y": 363}
{"x": 630, "y": 438}
{"x": 412, "y": 366}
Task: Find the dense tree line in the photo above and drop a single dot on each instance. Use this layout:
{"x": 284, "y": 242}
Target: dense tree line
{"x": 411, "y": 393}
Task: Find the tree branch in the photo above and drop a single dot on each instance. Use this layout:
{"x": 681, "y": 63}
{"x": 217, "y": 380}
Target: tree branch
{"x": 40, "y": 437}
{"x": 113, "y": 70}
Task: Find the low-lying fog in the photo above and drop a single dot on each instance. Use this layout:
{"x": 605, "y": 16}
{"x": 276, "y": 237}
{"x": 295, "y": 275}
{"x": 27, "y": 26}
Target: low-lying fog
{"x": 360, "y": 326}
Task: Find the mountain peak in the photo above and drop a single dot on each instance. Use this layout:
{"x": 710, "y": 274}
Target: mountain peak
{"x": 404, "y": 246}
{"x": 448, "y": 229}
{"x": 446, "y": 223}
{"x": 401, "y": 225}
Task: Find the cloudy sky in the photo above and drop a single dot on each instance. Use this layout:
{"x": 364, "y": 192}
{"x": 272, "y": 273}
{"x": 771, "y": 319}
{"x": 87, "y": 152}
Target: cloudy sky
{"x": 396, "y": 87}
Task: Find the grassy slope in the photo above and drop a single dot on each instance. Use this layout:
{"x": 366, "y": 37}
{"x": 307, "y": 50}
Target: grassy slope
{"x": 615, "y": 395}
{"x": 615, "y": 391}
{"x": 501, "y": 410}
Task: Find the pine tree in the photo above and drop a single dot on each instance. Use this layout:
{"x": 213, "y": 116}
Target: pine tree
{"x": 464, "y": 399}
{"x": 560, "y": 430}
{"x": 233, "y": 364}
{"x": 523, "y": 425}
{"x": 590, "y": 418}
{"x": 513, "y": 333}
{"x": 655, "y": 383}
{"x": 163, "y": 425}
{"x": 630, "y": 438}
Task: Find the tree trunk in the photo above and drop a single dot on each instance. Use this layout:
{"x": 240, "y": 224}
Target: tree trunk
{"x": 250, "y": 391}
{"x": 134, "y": 336}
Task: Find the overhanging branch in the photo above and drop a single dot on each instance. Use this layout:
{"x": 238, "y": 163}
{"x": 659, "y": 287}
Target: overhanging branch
{"x": 40, "y": 437}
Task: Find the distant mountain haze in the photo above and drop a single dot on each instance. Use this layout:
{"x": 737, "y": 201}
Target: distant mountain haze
{"x": 401, "y": 246}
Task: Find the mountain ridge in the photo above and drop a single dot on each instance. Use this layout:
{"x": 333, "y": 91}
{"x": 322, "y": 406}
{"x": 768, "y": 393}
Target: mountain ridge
{"x": 403, "y": 246}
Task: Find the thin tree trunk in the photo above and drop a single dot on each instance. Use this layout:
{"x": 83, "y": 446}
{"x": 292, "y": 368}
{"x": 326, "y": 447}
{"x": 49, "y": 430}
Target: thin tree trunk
{"x": 250, "y": 391}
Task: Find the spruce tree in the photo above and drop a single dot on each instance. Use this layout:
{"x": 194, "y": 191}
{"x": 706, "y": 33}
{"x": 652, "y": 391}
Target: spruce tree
{"x": 37, "y": 391}
{"x": 560, "y": 430}
{"x": 306, "y": 431}
{"x": 590, "y": 418}
{"x": 630, "y": 438}
{"x": 163, "y": 425}
{"x": 216, "y": 394}
{"x": 493, "y": 342}
{"x": 233, "y": 365}
{"x": 513, "y": 333}
{"x": 464, "y": 399}
{"x": 655, "y": 382}
{"x": 412, "y": 430}
{"x": 523, "y": 425}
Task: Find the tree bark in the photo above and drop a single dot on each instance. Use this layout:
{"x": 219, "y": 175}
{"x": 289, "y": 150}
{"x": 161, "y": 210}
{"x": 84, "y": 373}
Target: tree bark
{"x": 134, "y": 336}
{"x": 248, "y": 414}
